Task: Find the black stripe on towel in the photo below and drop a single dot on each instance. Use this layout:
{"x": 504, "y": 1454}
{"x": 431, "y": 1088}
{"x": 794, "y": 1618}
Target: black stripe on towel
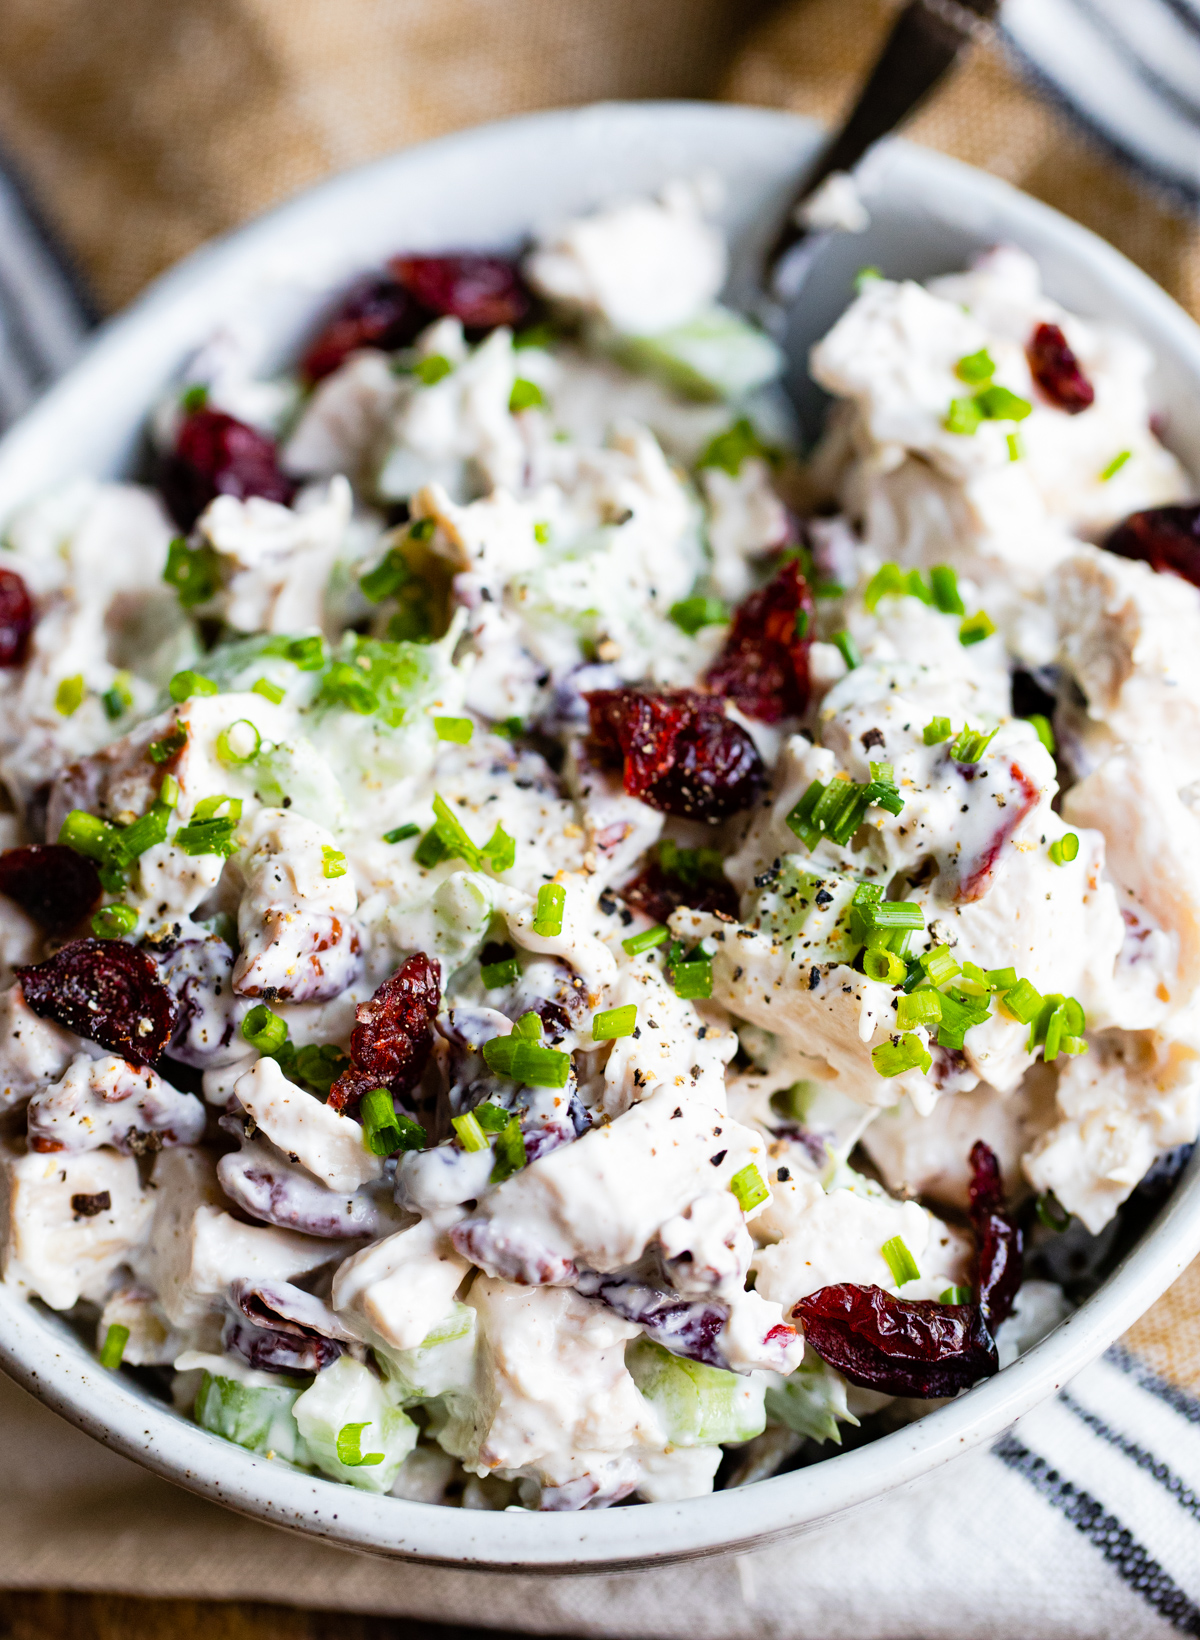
{"x": 1132, "y": 1563}
{"x": 1187, "y": 1406}
{"x": 1145, "y": 1461}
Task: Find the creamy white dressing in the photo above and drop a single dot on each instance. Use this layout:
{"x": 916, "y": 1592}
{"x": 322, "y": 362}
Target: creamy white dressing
{"x": 679, "y": 1187}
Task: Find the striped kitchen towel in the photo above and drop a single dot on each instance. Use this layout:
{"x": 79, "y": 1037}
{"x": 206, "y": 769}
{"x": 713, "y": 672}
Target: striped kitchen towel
{"x": 1081, "y": 1523}
{"x": 1128, "y": 69}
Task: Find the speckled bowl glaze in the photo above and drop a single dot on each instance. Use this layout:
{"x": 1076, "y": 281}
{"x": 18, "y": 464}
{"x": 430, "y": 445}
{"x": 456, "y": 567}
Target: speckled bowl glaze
{"x": 491, "y": 187}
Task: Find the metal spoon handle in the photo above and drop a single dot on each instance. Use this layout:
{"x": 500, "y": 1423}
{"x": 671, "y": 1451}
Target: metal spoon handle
{"x": 925, "y": 40}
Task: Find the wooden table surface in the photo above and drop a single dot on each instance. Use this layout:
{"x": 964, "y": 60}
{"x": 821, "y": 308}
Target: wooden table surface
{"x": 53, "y": 1615}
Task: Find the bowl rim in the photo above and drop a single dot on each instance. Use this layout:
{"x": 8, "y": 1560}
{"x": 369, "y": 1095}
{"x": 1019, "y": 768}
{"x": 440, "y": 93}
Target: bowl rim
{"x": 42, "y": 1353}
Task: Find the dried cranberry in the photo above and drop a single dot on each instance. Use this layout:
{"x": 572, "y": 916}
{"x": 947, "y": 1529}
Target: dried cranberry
{"x": 763, "y": 667}
{"x": 216, "y": 455}
{"x": 999, "y": 1249}
{"x": 658, "y": 893}
{"x": 680, "y": 752}
{"x": 16, "y": 618}
{"x": 482, "y": 291}
{"x": 895, "y": 1345}
{"x": 377, "y": 312}
{"x": 53, "y": 884}
{"x": 1166, "y": 538}
{"x": 108, "y": 992}
{"x": 1056, "y": 370}
{"x": 390, "y": 1044}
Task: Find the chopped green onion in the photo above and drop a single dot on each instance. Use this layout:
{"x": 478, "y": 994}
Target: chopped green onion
{"x": 1073, "y": 1045}
{"x": 969, "y": 744}
{"x": 548, "y": 916}
{"x": 976, "y": 628}
{"x": 187, "y": 683}
{"x": 240, "y": 743}
{"x": 693, "y": 980}
{"x": 435, "y": 367}
{"x": 946, "y": 595}
{"x": 68, "y": 697}
{"x": 1021, "y": 1001}
{"x": 541, "y": 533}
{"x": 491, "y": 1118}
{"x": 456, "y": 729}
{"x": 207, "y": 807}
{"x": 637, "y": 943}
{"x": 470, "y": 1135}
{"x": 529, "y": 1026}
{"x": 118, "y": 698}
{"x": 349, "y": 1451}
{"x": 422, "y": 529}
{"x": 963, "y": 417}
{"x": 510, "y": 1151}
{"x": 113, "y": 1349}
{"x": 112, "y": 922}
{"x": 268, "y": 690}
{"x": 919, "y": 1008}
{"x": 866, "y": 276}
{"x": 973, "y": 981}
{"x": 1001, "y": 979}
{"x": 900, "y": 1261}
{"x": 888, "y": 581}
{"x": 999, "y": 404}
{"x": 431, "y": 850}
{"x": 162, "y": 751}
{"x": 614, "y": 1022}
{"x": 1016, "y": 446}
{"x": 940, "y": 964}
{"x": 521, "y": 1060}
{"x": 1115, "y": 465}
{"x": 955, "y": 1295}
{"x": 525, "y": 395}
{"x": 960, "y": 1013}
{"x": 333, "y": 862}
{"x": 847, "y": 649}
{"x": 385, "y": 1130}
{"x": 345, "y": 685}
{"x": 87, "y": 834}
{"x": 500, "y": 850}
{"x": 401, "y": 834}
{"x": 496, "y": 975}
{"x": 690, "y": 614}
{"x": 307, "y": 654}
{"x": 906, "y": 1053}
{"x": 386, "y": 579}
{"x": 194, "y": 572}
{"x": 885, "y": 966}
{"x": 801, "y": 624}
{"x": 1051, "y": 1211}
{"x": 1065, "y": 849}
{"x": 827, "y": 589}
{"x": 1044, "y": 730}
{"x": 936, "y": 730}
{"x": 885, "y": 773}
{"x": 748, "y": 1186}
{"x": 264, "y": 1030}
{"x": 207, "y": 836}
{"x": 143, "y": 834}
{"x": 975, "y": 368}
{"x": 193, "y": 398}
{"x": 168, "y": 791}
{"x": 510, "y": 728}
{"x": 732, "y": 447}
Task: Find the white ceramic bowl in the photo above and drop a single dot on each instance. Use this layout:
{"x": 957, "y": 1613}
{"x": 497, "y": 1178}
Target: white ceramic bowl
{"x": 490, "y": 187}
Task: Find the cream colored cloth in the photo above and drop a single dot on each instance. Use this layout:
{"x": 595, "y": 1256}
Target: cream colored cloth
{"x": 144, "y": 129}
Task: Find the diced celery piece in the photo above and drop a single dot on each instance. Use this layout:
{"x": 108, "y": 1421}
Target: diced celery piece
{"x": 696, "y": 1405}
{"x": 444, "y": 1359}
{"x": 294, "y": 769}
{"x": 811, "y": 1401}
{"x": 717, "y": 355}
{"x": 806, "y": 898}
{"x": 258, "y": 1417}
{"x": 348, "y": 1393}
